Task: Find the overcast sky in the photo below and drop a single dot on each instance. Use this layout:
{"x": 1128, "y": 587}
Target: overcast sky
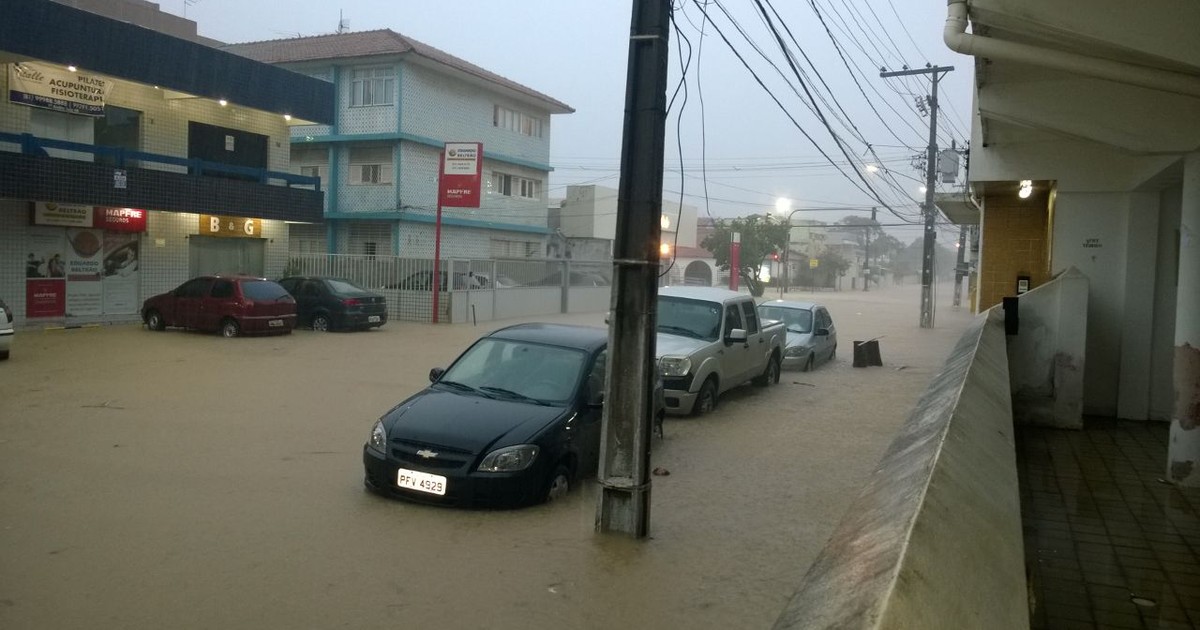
{"x": 577, "y": 52}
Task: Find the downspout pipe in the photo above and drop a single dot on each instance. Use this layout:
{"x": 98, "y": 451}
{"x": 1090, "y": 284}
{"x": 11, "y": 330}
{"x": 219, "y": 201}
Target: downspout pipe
{"x": 958, "y": 40}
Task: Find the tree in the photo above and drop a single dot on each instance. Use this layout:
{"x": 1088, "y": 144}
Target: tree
{"x": 760, "y": 237}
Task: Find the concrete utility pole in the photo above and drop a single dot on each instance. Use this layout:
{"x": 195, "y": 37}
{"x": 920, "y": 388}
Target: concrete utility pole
{"x": 930, "y": 179}
{"x": 960, "y": 269}
{"x": 867, "y": 254}
{"x": 624, "y": 504}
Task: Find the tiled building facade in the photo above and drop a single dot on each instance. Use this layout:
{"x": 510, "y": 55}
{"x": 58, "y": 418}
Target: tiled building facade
{"x": 398, "y": 102}
{"x": 112, "y": 169}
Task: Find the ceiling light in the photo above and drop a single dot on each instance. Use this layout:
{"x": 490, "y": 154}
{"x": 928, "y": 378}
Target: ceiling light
{"x": 72, "y": 68}
{"x": 1026, "y": 189}
{"x": 665, "y": 222}
{"x": 223, "y": 102}
{"x": 287, "y": 117}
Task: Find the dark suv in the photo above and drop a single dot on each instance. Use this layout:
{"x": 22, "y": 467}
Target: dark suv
{"x": 335, "y": 303}
{"x": 232, "y": 305}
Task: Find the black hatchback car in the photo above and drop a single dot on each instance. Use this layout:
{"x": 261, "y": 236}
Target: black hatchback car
{"x": 515, "y": 420}
{"x": 335, "y": 304}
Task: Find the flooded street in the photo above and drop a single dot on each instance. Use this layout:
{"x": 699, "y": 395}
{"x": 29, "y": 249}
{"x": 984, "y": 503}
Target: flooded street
{"x": 153, "y": 480}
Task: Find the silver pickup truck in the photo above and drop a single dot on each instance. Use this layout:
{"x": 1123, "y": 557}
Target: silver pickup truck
{"x": 709, "y": 341}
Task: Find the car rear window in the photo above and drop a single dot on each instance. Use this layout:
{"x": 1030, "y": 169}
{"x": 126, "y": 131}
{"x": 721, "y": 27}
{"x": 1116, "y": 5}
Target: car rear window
{"x": 263, "y": 290}
{"x": 337, "y": 285}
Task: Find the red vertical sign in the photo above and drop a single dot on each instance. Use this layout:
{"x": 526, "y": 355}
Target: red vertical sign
{"x": 459, "y": 175}
{"x": 459, "y": 186}
{"x": 735, "y": 260}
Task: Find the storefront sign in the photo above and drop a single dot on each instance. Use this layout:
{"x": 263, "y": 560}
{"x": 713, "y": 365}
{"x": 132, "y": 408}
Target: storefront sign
{"x": 50, "y": 87}
{"x": 64, "y": 214}
{"x": 120, "y": 219}
{"x": 81, "y": 216}
{"x": 460, "y": 177}
{"x": 211, "y": 225}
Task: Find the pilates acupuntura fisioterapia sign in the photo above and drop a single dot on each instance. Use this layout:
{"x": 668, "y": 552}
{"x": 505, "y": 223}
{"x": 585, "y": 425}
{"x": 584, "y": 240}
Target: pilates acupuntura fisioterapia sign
{"x": 59, "y": 89}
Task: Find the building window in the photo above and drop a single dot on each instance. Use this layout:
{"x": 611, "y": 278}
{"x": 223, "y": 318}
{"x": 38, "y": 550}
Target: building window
{"x": 369, "y": 248}
{"x": 372, "y": 86}
{"x": 504, "y": 248}
{"x": 520, "y": 122}
{"x": 371, "y": 165}
{"x": 514, "y": 186}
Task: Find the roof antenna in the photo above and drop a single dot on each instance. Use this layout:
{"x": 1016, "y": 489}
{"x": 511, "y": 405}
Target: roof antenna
{"x": 343, "y": 23}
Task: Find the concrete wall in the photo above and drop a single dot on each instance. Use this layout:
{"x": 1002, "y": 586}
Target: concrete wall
{"x": 1046, "y": 358}
{"x": 934, "y": 540}
{"x": 1162, "y": 392}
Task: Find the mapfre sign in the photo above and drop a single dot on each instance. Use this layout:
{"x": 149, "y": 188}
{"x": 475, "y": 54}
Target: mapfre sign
{"x": 241, "y": 227}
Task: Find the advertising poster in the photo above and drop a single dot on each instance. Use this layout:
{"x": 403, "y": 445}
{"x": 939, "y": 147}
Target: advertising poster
{"x": 56, "y": 88}
{"x": 84, "y": 289}
{"x": 459, "y": 179}
{"x": 120, "y": 272}
{"x": 45, "y": 273}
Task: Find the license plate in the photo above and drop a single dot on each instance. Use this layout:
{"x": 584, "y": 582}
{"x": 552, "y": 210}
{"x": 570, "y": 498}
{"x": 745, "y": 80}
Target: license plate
{"x": 373, "y": 319}
{"x": 275, "y": 323}
{"x": 421, "y": 482}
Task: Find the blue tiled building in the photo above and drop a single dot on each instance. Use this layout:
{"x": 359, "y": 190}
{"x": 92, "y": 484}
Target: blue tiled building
{"x": 398, "y": 102}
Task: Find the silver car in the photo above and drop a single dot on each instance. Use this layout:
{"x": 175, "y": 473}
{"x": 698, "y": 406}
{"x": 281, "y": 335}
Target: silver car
{"x": 811, "y": 335}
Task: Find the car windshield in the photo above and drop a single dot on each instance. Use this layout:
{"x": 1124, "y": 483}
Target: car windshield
{"x": 503, "y": 368}
{"x": 263, "y": 290}
{"x": 691, "y": 318}
{"x": 338, "y": 285}
{"x": 796, "y": 319}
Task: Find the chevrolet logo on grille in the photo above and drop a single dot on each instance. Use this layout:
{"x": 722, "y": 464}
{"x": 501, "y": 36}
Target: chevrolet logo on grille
{"x": 426, "y": 453}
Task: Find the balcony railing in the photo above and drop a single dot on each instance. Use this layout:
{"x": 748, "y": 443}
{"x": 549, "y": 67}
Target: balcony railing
{"x": 119, "y": 156}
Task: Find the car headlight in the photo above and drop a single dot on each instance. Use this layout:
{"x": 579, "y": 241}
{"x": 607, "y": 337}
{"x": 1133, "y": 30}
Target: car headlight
{"x": 509, "y": 458}
{"x": 796, "y": 351}
{"x": 378, "y": 441}
{"x": 674, "y": 366}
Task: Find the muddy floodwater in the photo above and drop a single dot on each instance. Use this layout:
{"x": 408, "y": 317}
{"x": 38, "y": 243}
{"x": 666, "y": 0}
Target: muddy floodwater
{"x": 181, "y": 480}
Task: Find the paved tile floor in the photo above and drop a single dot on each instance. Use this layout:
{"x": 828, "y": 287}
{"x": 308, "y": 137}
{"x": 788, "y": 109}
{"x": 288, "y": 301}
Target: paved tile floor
{"x": 1109, "y": 544}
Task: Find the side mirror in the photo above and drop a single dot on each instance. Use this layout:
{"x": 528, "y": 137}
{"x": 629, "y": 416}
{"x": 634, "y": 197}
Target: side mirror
{"x": 822, "y": 332}
{"x": 737, "y": 335}
{"x": 435, "y": 374}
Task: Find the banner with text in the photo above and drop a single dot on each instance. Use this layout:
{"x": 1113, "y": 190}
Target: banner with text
{"x": 49, "y": 87}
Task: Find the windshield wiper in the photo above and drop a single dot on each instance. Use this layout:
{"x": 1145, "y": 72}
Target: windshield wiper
{"x": 687, "y": 332}
{"x": 456, "y": 385}
{"x": 511, "y": 394}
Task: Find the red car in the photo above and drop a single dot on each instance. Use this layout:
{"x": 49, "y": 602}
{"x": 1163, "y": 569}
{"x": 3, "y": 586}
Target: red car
{"x": 233, "y": 305}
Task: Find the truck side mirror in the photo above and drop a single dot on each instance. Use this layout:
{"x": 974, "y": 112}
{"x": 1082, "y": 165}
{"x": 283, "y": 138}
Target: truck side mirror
{"x": 435, "y": 374}
{"x": 822, "y": 332}
{"x": 737, "y": 335}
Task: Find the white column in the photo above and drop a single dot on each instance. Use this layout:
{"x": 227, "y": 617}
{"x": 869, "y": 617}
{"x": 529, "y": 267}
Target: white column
{"x": 1183, "y": 451}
